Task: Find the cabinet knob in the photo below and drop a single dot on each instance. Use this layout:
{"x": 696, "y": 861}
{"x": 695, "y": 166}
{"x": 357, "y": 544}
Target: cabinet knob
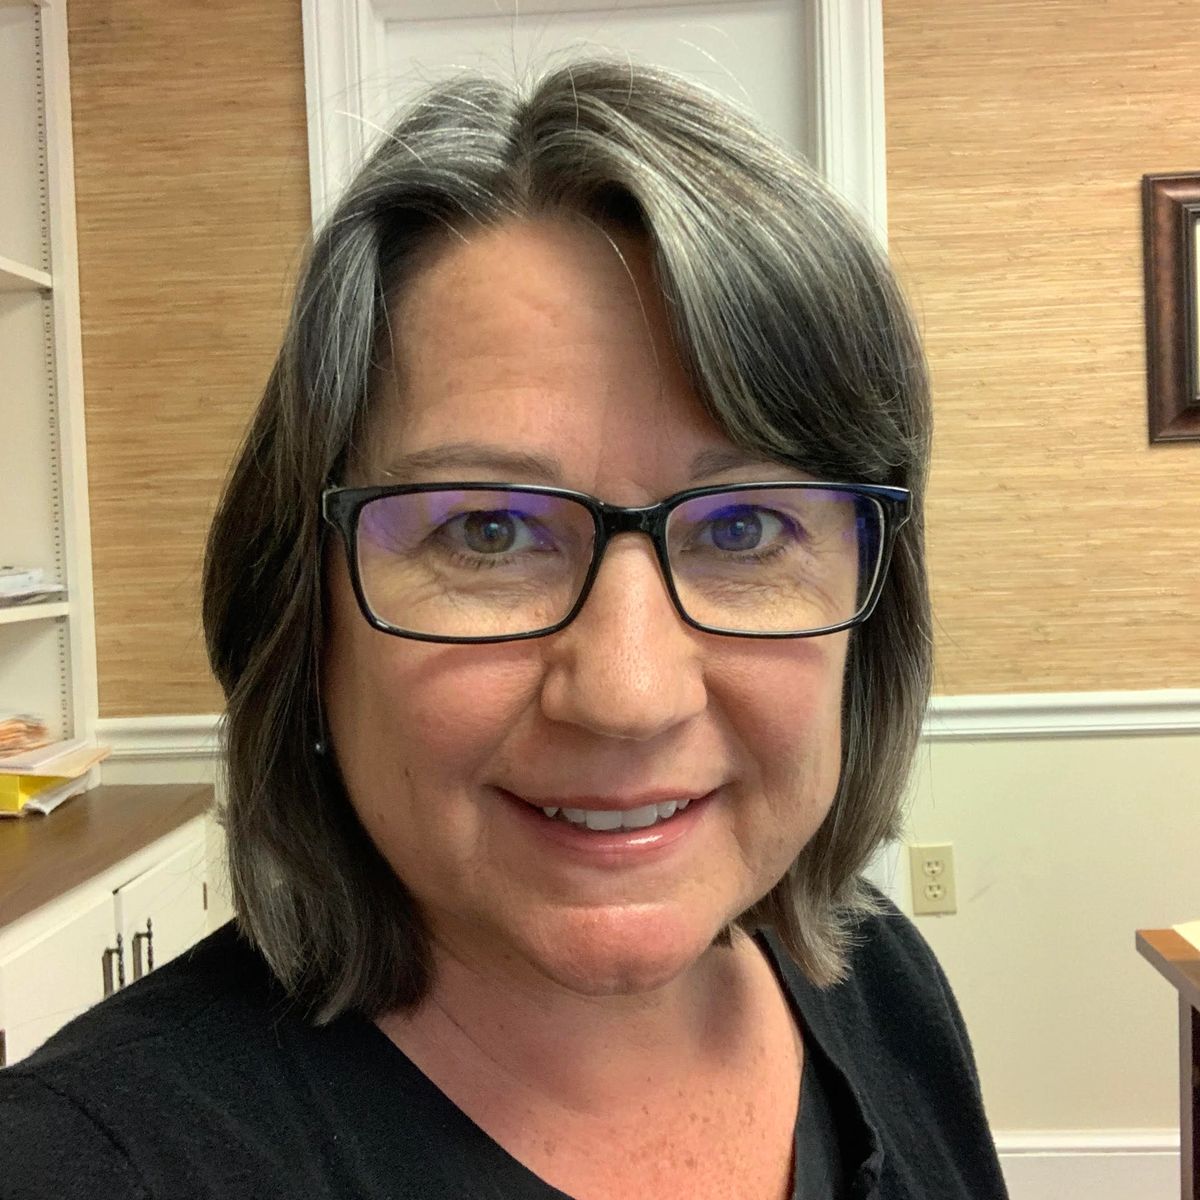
{"x": 140, "y": 939}
{"x": 110, "y": 957}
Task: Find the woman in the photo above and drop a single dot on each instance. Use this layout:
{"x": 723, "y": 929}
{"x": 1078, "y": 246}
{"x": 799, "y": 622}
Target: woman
{"x": 569, "y": 600}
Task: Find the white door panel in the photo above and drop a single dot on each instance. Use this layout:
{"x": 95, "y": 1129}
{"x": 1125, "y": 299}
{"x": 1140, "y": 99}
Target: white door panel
{"x": 748, "y": 52}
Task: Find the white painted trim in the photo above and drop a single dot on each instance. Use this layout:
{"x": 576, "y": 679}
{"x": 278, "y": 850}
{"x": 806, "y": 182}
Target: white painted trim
{"x": 159, "y": 738}
{"x": 849, "y": 138}
{"x": 950, "y": 718}
{"x": 343, "y": 47}
{"x": 1062, "y": 714}
{"x": 328, "y": 67}
{"x": 1015, "y": 1143}
{"x": 443, "y": 10}
{"x": 1109, "y": 1164}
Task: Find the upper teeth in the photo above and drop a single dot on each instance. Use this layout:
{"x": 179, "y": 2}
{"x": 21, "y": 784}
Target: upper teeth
{"x": 606, "y": 818}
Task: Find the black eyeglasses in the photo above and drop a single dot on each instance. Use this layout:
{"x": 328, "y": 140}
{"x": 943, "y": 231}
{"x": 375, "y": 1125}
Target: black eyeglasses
{"x": 487, "y": 562}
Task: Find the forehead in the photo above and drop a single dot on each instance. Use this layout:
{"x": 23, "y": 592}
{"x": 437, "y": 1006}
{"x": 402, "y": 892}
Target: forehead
{"x": 548, "y": 340}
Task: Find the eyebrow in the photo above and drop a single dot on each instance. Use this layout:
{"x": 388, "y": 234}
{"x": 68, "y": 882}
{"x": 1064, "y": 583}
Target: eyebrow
{"x": 527, "y": 465}
{"x": 472, "y": 455}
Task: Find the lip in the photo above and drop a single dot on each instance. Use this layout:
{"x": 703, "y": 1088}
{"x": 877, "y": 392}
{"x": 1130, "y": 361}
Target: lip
{"x": 618, "y": 847}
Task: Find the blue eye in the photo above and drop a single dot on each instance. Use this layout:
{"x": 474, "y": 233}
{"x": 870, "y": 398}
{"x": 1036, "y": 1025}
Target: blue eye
{"x": 738, "y": 531}
{"x": 742, "y": 529}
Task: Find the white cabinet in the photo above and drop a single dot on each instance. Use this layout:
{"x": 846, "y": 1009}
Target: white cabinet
{"x": 47, "y": 650}
{"x": 54, "y": 977}
{"x": 161, "y": 912}
{"x": 103, "y": 935}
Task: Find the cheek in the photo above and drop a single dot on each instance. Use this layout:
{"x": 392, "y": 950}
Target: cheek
{"x": 789, "y": 718}
{"x": 438, "y": 708}
{"x": 408, "y": 715}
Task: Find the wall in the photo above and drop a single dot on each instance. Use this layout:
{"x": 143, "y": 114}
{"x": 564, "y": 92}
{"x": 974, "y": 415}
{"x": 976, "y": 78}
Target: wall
{"x": 1062, "y": 544}
{"x": 1064, "y": 847}
{"x": 192, "y": 195}
{"x": 1017, "y": 133}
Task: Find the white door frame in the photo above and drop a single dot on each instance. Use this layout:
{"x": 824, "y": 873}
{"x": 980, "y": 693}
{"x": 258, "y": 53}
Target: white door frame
{"x": 344, "y": 44}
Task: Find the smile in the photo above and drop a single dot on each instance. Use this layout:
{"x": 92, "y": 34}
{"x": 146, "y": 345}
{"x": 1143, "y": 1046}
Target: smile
{"x": 606, "y": 820}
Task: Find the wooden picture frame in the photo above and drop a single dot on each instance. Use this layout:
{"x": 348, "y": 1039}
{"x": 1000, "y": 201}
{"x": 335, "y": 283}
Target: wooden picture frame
{"x": 1171, "y": 227}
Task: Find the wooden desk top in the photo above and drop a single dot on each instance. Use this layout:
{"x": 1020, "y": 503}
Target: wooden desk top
{"x": 42, "y": 858}
{"x": 1175, "y": 958}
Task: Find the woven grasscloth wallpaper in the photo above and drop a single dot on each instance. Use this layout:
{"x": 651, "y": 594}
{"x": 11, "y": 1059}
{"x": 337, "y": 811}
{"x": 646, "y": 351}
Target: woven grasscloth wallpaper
{"x": 1065, "y": 551}
{"x": 192, "y": 196}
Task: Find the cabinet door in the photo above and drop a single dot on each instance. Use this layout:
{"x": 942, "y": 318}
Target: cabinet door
{"x": 53, "y": 978}
{"x": 161, "y": 912}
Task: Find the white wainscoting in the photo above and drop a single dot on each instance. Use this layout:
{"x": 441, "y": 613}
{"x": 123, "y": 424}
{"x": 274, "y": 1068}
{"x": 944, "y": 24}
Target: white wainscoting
{"x": 1112, "y": 1165}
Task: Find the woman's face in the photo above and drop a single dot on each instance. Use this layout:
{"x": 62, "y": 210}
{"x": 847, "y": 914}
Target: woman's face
{"x": 542, "y": 340}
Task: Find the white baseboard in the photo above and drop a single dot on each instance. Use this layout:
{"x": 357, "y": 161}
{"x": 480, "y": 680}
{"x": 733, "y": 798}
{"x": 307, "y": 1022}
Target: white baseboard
{"x": 1093, "y": 1165}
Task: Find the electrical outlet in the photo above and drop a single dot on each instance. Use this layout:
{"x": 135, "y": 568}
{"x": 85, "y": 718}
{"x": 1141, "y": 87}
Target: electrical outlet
{"x": 931, "y": 868}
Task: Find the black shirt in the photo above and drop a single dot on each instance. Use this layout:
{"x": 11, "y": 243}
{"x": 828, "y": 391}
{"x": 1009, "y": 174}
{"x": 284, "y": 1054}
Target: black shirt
{"x": 201, "y": 1080}
{"x": 822, "y": 1159}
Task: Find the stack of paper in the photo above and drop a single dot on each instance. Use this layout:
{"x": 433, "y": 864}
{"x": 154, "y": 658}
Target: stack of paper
{"x": 20, "y": 731}
{"x": 40, "y": 780}
{"x": 23, "y": 585}
{"x": 1190, "y": 932}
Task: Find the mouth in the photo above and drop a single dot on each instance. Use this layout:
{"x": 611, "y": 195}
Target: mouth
{"x": 613, "y": 831}
{"x": 609, "y": 820}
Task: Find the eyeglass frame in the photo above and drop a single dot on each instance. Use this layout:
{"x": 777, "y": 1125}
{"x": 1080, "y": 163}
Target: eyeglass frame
{"x": 340, "y": 507}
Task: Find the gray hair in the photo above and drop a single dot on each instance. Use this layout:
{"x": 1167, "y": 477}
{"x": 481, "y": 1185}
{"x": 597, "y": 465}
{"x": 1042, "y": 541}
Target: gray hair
{"x": 795, "y": 337}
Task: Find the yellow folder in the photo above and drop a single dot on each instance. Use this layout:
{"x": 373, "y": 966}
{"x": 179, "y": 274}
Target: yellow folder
{"x": 16, "y": 789}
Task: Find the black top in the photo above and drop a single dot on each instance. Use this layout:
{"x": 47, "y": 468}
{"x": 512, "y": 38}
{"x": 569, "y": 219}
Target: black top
{"x": 822, "y": 1159}
{"x": 201, "y": 1081}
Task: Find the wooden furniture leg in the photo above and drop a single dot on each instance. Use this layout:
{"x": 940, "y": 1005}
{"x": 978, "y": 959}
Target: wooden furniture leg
{"x": 1189, "y": 1099}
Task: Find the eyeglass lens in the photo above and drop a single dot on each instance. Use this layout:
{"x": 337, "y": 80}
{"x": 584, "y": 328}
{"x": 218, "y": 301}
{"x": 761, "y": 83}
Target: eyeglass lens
{"x": 479, "y": 564}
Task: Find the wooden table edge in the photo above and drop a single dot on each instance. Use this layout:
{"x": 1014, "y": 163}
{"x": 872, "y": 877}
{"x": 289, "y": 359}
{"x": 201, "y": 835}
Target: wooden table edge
{"x": 77, "y": 842}
{"x": 1175, "y": 958}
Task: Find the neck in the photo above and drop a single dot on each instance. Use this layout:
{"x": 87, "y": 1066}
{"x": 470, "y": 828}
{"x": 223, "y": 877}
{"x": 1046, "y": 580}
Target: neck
{"x": 515, "y": 1034}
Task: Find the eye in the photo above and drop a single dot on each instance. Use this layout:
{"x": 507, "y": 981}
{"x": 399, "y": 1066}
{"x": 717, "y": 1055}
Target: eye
{"x": 743, "y": 528}
{"x": 492, "y": 531}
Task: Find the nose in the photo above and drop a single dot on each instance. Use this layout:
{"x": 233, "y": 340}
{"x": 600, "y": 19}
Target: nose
{"x": 627, "y": 666}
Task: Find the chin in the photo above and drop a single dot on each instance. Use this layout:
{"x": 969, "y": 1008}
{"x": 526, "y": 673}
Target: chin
{"x": 606, "y": 952}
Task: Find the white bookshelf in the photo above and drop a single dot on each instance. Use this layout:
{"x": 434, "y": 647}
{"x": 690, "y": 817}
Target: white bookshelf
{"x": 17, "y": 277}
{"x": 34, "y": 612}
{"x": 47, "y": 649}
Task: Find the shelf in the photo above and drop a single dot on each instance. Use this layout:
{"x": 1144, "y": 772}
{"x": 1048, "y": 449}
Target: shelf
{"x": 17, "y": 277}
{"x": 33, "y": 612}
{"x": 47, "y": 646}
